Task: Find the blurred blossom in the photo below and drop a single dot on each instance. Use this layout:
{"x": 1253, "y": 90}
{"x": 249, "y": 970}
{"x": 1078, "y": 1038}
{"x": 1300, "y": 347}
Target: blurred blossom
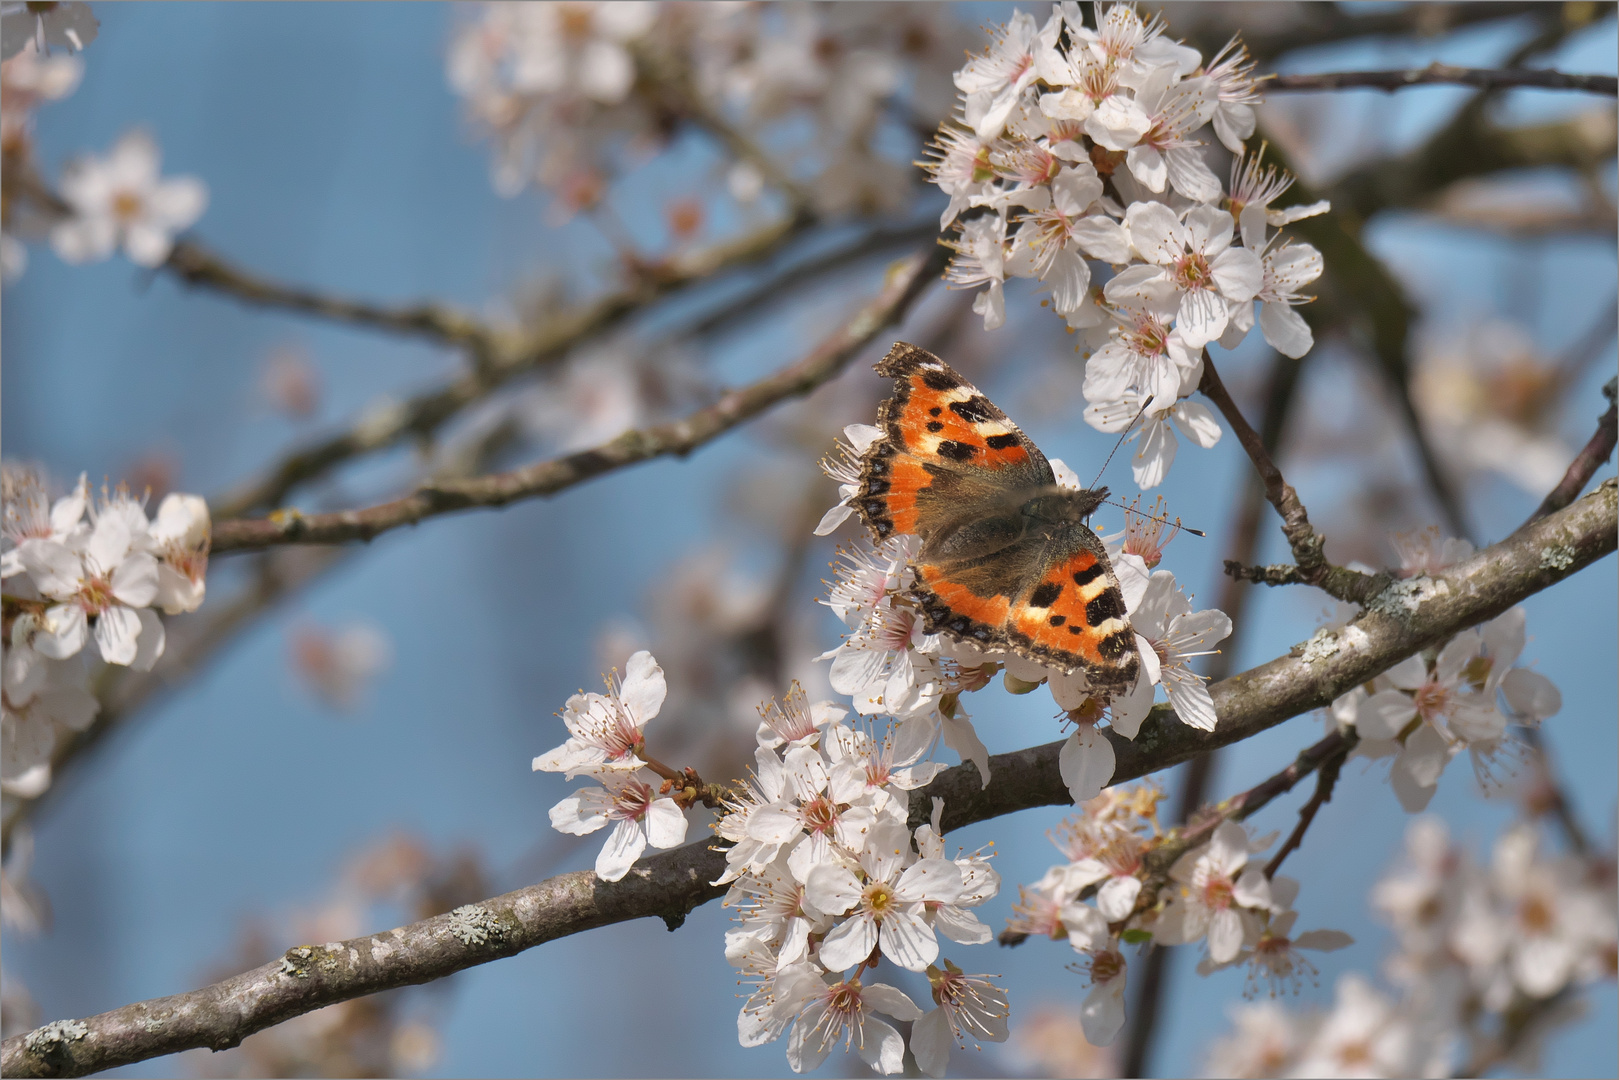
{"x": 1052, "y": 1042}
{"x": 290, "y": 382}
{"x": 1491, "y": 400}
{"x": 1477, "y": 948}
{"x": 605, "y": 391}
{"x": 684, "y": 217}
{"x": 24, "y": 907}
{"x": 67, "y": 25}
{"x": 575, "y": 94}
{"x": 18, "y": 1011}
{"x": 122, "y": 201}
{"x": 27, "y": 79}
{"x": 397, "y": 879}
{"x": 340, "y": 663}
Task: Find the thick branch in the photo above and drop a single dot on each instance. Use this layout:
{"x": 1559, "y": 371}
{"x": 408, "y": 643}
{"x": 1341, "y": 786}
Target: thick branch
{"x": 679, "y": 437}
{"x": 196, "y": 265}
{"x": 1305, "y": 542}
{"x": 1437, "y": 73}
{"x": 1406, "y": 618}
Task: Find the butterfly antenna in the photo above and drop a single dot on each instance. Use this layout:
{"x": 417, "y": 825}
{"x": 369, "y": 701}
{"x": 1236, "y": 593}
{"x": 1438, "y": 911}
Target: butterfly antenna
{"x": 1161, "y": 520}
{"x": 1122, "y": 436}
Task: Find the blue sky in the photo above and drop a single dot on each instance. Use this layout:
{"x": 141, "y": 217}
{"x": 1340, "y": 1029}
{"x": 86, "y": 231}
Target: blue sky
{"x": 336, "y": 157}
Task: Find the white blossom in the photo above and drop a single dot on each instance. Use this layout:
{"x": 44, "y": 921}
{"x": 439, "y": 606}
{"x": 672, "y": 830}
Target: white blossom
{"x": 639, "y": 816}
{"x": 607, "y": 731}
{"x": 122, "y": 201}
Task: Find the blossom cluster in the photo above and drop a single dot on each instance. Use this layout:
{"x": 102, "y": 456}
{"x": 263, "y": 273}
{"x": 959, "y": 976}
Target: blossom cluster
{"x": 1462, "y": 695}
{"x": 825, "y": 874}
{"x": 1212, "y": 893}
{"x": 1475, "y": 946}
{"x": 83, "y": 569}
{"x": 889, "y": 665}
{"x": 1076, "y": 145}
{"x": 828, "y": 879}
{"x": 607, "y": 742}
{"x": 574, "y": 94}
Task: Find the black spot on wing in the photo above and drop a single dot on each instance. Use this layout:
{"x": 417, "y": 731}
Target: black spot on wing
{"x": 956, "y": 451}
{"x": 1117, "y": 645}
{"x": 935, "y": 411}
{"x": 936, "y": 379}
{"x": 1001, "y": 442}
{"x": 1057, "y": 620}
{"x": 934, "y": 425}
{"x": 975, "y": 410}
{"x": 1109, "y": 605}
{"x": 1045, "y": 594}
{"x": 1089, "y": 574}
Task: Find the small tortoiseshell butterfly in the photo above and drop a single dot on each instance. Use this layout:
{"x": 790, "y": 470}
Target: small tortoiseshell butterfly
{"x": 1006, "y": 560}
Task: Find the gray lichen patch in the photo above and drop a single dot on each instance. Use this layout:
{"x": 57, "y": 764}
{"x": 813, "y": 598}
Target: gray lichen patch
{"x": 1403, "y": 598}
{"x": 296, "y": 961}
{"x": 1322, "y": 644}
{"x": 1557, "y": 557}
{"x": 50, "y": 1037}
{"x": 474, "y": 924}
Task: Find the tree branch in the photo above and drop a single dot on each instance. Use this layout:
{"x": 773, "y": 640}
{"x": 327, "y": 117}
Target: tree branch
{"x": 1281, "y": 392}
{"x": 1587, "y": 461}
{"x": 1318, "y": 24}
{"x": 679, "y": 437}
{"x": 1325, "y": 781}
{"x": 509, "y": 355}
{"x": 195, "y": 265}
{"x": 1406, "y": 618}
{"x": 1438, "y": 74}
{"x": 1307, "y": 545}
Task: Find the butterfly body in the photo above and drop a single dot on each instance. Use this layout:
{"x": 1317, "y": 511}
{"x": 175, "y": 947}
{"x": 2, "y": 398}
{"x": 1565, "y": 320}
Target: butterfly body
{"x": 1006, "y": 560}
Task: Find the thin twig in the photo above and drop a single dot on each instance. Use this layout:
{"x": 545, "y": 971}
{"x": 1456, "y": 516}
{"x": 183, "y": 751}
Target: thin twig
{"x": 511, "y": 355}
{"x": 1325, "y": 781}
{"x": 1281, "y": 393}
{"x": 1319, "y": 24}
{"x": 678, "y": 437}
{"x": 671, "y": 884}
{"x": 1587, "y": 461}
{"x": 1307, "y": 545}
{"x": 1437, "y": 73}
{"x": 195, "y": 265}
{"x": 1552, "y": 798}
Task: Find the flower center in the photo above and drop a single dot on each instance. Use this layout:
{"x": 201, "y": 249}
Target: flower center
{"x": 1149, "y": 337}
{"x": 1192, "y": 271}
{"x": 879, "y": 899}
{"x": 576, "y": 20}
{"x": 1217, "y": 893}
{"x": 632, "y": 801}
{"x": 1432, "y": 699}
{"x": 1536, "y": 915}
{"x": 1106, "y": 966}
{"x": 820, "y": 815}
{"x": 1354, "y": 1054}
{"x": 895, "y": 633}
{"x": 95, "y": 596}
{"x": 126, "y": 205}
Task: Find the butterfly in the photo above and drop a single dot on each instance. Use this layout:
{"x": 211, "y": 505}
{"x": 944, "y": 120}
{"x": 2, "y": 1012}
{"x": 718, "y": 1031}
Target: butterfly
{"x": 1006, "y": 560}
